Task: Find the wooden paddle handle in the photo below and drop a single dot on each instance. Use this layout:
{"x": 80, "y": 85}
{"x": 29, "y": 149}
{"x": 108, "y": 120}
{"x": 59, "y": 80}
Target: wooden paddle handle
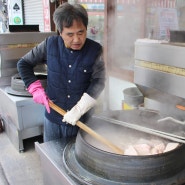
{"x": 88, "y": 130}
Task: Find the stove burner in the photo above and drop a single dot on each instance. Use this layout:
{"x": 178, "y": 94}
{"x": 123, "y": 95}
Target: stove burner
{"x": 18, "y": 88}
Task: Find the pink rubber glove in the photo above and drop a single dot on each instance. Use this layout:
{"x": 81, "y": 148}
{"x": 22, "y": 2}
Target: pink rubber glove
{"x": 39, "y": 95}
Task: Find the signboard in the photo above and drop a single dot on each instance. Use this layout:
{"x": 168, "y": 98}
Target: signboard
{"x": 93, "y": 6}
{"x": 167, "y": 21}
{"x": 46, "y": 9}
{"x": 15, "y": 12}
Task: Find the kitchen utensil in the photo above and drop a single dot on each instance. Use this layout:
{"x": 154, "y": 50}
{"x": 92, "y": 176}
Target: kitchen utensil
{"x": 88, "y": 130}
{"x": 145, "y": 129}
{"x": 171, "y": 119}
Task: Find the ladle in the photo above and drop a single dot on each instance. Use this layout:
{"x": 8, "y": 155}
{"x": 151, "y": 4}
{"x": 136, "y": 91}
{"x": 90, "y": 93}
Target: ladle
{"x": 88, "y": 130}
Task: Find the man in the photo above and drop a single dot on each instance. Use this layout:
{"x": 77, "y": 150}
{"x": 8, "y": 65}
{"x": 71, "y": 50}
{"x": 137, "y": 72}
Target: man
{"x": 75, "y": 72}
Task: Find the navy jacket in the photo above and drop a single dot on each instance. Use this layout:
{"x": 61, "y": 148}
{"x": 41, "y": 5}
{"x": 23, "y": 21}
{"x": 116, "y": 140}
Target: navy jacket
{"x": 70, "y": 73}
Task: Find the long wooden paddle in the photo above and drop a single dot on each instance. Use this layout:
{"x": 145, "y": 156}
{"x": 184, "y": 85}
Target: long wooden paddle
{"x": 88, "y": 130}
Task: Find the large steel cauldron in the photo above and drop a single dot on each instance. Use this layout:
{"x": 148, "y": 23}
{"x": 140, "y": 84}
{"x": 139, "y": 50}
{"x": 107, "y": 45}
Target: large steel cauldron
{"x": 92, "y": 163}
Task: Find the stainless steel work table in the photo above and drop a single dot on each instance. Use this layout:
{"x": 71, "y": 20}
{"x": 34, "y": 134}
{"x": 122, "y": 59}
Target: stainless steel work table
{"x": 51, "y": 155}
{"x": 22, "y": 117}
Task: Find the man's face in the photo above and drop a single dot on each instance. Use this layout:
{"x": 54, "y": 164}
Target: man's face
{"x": 74, "y": 37}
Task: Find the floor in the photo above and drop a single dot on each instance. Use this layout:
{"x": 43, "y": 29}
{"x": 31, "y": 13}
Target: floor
{"x": 19, "y": 168}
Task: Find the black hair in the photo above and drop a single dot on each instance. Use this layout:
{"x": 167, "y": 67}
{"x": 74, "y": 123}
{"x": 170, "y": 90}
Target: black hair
{"x": 66, "y": 13}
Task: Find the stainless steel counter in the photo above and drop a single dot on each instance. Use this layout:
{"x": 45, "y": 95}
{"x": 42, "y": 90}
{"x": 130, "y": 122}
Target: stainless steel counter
{"x": 159, "y": 74}
{"x": 22, "y": 117}
{"x": 51, "y": 156}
